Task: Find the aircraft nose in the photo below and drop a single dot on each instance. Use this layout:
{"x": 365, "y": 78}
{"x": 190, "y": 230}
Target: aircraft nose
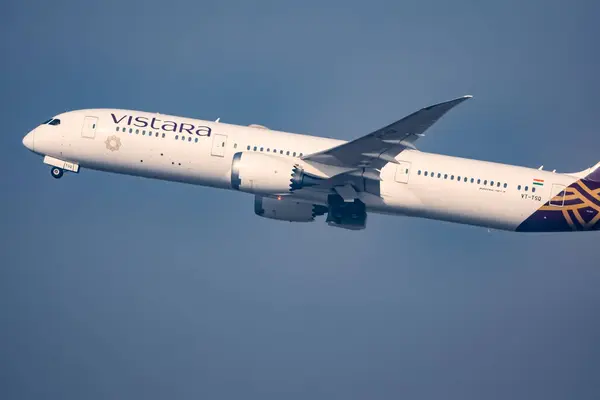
{"x": 28, "y": 140}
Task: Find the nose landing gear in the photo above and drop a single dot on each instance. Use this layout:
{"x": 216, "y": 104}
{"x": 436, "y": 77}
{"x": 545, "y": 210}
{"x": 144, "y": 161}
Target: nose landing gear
{"x": 56, "y": 172}
{"x": 58, "y": 166}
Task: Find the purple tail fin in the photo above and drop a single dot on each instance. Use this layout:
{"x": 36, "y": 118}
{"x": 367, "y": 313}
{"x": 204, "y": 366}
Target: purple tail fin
{"x": 579, "y": 210}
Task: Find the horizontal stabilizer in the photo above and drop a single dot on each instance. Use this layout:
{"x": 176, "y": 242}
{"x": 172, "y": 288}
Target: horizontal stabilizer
{"x": 590, "y": 174}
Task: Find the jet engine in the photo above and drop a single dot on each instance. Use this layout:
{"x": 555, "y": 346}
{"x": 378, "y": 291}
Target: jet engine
{"x": 287, "y": 210}
{"x": 261, "y": 173}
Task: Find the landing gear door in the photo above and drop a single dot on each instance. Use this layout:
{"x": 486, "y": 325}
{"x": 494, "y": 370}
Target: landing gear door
{"x": 402, "y": 172}
{"x": 89, "y": 127}
{"x": 218, "y": 145}
{"x": 557, "y": 195}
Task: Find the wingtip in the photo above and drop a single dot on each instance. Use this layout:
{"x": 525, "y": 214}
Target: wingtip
{"x": 468, "y": 96}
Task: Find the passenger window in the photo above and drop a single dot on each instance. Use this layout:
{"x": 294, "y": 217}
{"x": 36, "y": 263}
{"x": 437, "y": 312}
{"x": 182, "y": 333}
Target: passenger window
{"x": 254, "y": 148}
{"x": 248, "y": 148}
{"x": 196, "y": 141}
{"x": 526, "y": 188}
{"x": 280, "y": 151}
{"x": 491, "y": 183}
{"x": 452, "y": 178}
{"x": 419, "y": 173}
{"x": 287, "y": 153}
{"x": 465, "y": 179}
{"x": 130, "y": 130}
{"x": 163, "y": 135}
{"x": 472, "y": 180}
{"x": 485, "y": 183}
{"x": 262, "y": 148}
{"x": 124, "y": 129}
{"x": 300, "y": 154}
{"x": 294, "y": 154}
{"x": 458, "y": 179}
{"x": 426, "y": 173}
{"x": 117, "y": 129}
{"x": 533, "y": 189}
{"x": 138, "y": 131}
{"x": 176, "y": 137}
{"x": 156, "y": 134}
{"x": 268, "y": 150}
{"x": 189, "y": 139}
{"x": 478, "y": 181}
{"x": 519, "y": 187}
{"x": 498, "y": 184}
{"x": 235, "y": 146}
{"x": 505, "y": 186}
{"x": 445, "y": 176}
{"x": 182, "y": 137}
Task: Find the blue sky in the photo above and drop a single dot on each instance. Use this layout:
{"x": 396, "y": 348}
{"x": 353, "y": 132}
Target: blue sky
{"x": 115, "y": 286}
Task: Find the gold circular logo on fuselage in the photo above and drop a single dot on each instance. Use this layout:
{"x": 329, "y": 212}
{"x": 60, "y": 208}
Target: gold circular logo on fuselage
{"x": 113, "y": 143}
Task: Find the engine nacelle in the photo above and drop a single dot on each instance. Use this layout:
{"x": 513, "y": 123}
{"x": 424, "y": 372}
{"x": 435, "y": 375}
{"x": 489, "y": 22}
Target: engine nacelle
{"x": 261, "y": 173}
{"x": 286, "y": 210}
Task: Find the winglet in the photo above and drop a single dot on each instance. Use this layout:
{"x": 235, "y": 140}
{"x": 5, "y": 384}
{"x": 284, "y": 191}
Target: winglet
{"x": 446, "y": 106}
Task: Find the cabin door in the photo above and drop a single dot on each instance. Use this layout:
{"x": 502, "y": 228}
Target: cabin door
{"x": 402, "y": 172}
{"x": 218, "y": 145}
{"x": 89, "y": 127}
{"x": 557, "y": 195}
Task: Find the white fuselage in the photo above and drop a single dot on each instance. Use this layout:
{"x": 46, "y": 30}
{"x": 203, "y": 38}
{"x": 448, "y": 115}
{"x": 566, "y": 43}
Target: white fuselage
{"x": 200, "y": 152}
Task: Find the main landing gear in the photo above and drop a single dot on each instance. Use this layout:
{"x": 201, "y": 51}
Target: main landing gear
{"x": 56, "y": 172}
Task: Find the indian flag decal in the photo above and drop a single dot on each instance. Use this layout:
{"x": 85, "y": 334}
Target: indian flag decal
{"x": 538, "y": 182}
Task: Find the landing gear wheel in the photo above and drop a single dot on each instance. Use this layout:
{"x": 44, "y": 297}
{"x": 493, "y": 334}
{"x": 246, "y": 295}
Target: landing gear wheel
{"x": 56, "y": 172}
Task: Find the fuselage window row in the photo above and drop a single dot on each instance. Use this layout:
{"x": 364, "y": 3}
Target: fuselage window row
{"x": 274, "y": 151}
{"x": 526, "y": 188}
{"x": 462, "y": 179}
{"x": 156, "y": 134}
{"x": 195, "y": 140}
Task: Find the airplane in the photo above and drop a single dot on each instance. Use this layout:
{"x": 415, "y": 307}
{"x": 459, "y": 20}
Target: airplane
{"x": 297, "y": 177}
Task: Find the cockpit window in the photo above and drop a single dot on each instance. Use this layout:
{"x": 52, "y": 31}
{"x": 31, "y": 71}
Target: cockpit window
{"x": 45, "y": 122}
{"x": 54, "y": 122}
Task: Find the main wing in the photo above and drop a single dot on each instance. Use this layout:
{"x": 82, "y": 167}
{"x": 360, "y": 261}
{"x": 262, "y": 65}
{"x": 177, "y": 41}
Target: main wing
{"x": 382, "y": 146}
